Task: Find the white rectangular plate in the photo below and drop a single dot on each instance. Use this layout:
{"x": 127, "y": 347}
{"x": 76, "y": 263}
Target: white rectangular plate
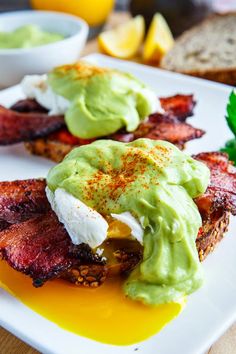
{"x": 209, "y": 311}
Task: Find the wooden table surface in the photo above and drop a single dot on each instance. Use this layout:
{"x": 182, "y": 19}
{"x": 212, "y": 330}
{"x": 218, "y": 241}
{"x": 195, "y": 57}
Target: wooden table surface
{"x": 9, "y": 344}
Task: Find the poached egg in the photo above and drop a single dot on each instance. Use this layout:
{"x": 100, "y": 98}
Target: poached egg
{"x": 37, "y": 87}
{"x": 84, "y": 224}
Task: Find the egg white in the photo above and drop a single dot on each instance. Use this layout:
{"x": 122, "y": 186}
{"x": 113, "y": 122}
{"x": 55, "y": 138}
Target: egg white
{"x": 36, "y": 86}
{"x": 84, "y": 224}
{"x": 128, "y": 219}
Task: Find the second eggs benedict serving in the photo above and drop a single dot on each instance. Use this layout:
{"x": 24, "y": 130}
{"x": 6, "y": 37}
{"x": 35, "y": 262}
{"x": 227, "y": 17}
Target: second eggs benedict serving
{"x": 75, "y": 104}
{"x": 96, "y": 101}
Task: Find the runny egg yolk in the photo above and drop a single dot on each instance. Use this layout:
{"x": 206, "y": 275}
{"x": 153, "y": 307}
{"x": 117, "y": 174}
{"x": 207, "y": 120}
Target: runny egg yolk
{"x": 118, "y": 229}
{"x": 103, "y": 314}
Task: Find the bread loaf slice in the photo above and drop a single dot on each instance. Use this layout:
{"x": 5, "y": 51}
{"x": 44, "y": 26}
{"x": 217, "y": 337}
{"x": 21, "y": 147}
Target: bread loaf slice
{"x": 207, "y": 50}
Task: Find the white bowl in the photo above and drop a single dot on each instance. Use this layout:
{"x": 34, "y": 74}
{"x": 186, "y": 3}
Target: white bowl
{"x": 16, "y": 63}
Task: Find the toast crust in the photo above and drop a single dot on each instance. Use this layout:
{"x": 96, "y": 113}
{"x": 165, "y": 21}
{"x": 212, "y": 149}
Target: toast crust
{"x": 53, "y": 150}
{"x": 222, "y": 75}
{"x": 213, "y": 234}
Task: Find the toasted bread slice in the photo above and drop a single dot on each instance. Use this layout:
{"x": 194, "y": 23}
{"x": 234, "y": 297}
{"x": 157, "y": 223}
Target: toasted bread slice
{"x": 53, "y": 150}
{"x": 208, "y": 50}
{"x": 124, "y": 259}
{"x": 94, "y": 275}
{"x": 213, "y": 232}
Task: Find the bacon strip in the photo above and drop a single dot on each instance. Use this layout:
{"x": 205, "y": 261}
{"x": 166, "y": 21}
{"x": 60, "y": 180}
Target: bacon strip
{"x": 3, "y": 225}
{"x": 180, "y": 106}
{"x": 161, "y": 127}
{"x": 28, "y": 105}
{"x": 21, "y": 200}
{"x": 170, "y": 126}
{"x": 16, "y": 127}
{"x": 221, "y": 192}
{"x": 157, "y": 127}
{"x": 41, "y": 248}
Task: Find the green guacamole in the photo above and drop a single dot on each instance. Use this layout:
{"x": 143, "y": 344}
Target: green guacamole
{"x": 27, "y": 37}
{"x": 156, "y": 182}
{"x": 102, "y": 101}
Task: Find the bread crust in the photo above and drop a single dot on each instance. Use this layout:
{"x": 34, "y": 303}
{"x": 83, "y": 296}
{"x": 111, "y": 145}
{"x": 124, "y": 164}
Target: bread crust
{"x": 213, "y": 233}
{"x": 54, "y": 150}
{"x": 222, "y": 75}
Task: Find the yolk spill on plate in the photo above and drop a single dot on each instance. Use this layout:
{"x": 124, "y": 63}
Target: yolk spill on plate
{"x": 103, "y": 314}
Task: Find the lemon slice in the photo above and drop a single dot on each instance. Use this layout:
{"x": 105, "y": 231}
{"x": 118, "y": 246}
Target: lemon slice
{"x": 159, "y": 39}
{"x": 125, "y": 40}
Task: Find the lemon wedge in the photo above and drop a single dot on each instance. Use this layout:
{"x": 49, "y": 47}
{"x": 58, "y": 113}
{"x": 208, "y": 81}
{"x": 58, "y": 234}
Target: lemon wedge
{"x": 159, "y": 39}
{"x": 124, "y": 41}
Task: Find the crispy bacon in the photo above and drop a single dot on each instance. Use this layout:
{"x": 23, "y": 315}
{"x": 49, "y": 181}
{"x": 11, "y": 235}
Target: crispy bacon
{"x": 28, "y": 105}
{"x": 162, "y": 127}
{"x": 180, "y": 106}
{"x": 157, "y": 127}
{"x": 41, "y": 248}
{"x": 63, "y": 135}
{"x": 170, "y": 126}
{"x": 221, "y": 192}
{"x": 21, "y": 200}
{"x": 3, "y": 225}
{"x": 16, "y": 127}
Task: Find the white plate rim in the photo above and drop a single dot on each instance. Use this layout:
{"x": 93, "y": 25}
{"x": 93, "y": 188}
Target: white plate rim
{"x": 203, "y": 345}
